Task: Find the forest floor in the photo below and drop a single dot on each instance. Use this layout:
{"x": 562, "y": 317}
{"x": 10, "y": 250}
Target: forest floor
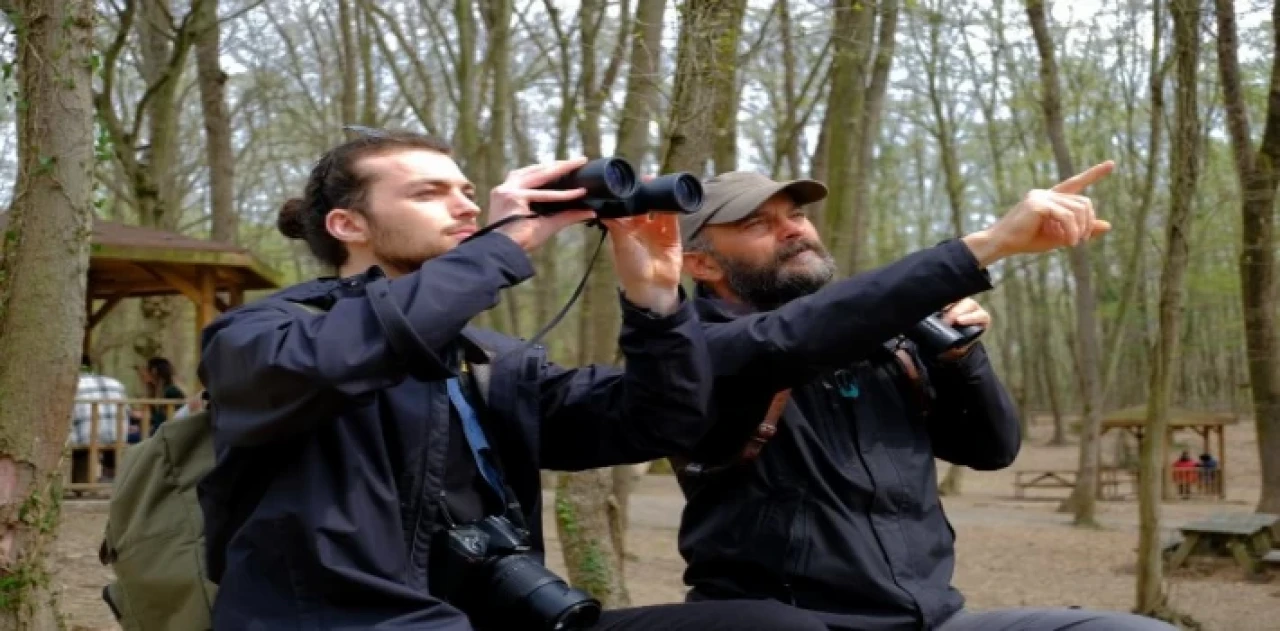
{"x": 1011, "y": 552}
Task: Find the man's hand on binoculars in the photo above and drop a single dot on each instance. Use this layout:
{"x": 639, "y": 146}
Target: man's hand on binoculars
{"x": 966, "y": 312}
{"x": 512, "y": 198}
{"x": 647, "y": 258}
{"x": 1044, "y": 220}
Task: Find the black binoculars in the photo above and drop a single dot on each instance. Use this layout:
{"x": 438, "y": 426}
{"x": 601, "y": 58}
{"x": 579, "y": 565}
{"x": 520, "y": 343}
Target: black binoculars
{"x": 934, "y": 337}
{"x": 614, "y": 191}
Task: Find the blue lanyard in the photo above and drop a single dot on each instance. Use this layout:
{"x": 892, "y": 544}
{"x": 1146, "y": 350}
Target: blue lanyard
{"x": 475, "y": 438}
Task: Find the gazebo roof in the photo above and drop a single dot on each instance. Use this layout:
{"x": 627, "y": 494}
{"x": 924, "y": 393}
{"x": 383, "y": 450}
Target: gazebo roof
{"x": 1179, "y": 418}
{"x": 133, "y": 261}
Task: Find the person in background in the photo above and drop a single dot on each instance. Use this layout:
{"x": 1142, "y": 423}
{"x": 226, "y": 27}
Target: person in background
{"x": 1184, "y": 474}
{"x": 157, "y": 377}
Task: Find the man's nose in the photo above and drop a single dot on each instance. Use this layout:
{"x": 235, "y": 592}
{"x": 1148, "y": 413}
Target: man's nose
{"x": 465, "y": 207}
{"x": 789, "y": 230}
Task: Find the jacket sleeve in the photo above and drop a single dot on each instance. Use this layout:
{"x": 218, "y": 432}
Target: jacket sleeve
{"x": 271, "y": 366}
{"x": 599, "y": 416}
{"x": 975, "y": 421}
{"x": 844, "y": 321}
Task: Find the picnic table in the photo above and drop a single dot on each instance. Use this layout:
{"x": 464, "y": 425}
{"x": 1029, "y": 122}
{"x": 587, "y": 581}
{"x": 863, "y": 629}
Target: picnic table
{"x": 1110, "y": 481}
{"x": 1244, "y": 536}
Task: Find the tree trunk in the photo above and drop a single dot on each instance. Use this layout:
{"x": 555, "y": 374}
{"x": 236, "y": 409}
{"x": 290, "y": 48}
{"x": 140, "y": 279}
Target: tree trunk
{"x": 854, "y": 27}
{"x": 44, "y": 269}
{"x": 587, "y": 509}
{"x": 1133, "y": 266}
{"x": 1083, "y": 499}
{"x": 700, "y": 58}
{"x": 217, "y": 125}
{"x": 639, "y": 106}
{"x": 1185, "y": 162}
{"x": 640, "y": 103}
{"x": 583, "y": 528}
{"x": 724, "y": 155}
{"x": 1259, "y": 175}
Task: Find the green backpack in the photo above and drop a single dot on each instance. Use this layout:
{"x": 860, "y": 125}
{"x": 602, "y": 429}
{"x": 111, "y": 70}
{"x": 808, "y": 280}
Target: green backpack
{"x": 155, "y": 530}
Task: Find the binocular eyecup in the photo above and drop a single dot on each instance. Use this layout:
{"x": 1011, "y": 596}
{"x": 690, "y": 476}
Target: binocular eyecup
{"x": 613, "y": 191}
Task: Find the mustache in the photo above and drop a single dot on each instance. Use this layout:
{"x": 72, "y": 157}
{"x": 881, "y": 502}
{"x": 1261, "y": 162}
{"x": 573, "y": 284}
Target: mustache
{"x": 796, "y": 248}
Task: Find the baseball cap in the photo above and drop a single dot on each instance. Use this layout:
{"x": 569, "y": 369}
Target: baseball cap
{"x": 730, "y": 197}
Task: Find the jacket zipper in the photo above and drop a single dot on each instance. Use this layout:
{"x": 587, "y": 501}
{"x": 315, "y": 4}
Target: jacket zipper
{"x": 423, "y": 500}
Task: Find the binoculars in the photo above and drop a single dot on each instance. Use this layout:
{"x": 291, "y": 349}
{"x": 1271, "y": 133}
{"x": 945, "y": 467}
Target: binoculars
{"x": 614, "y": 191}
{"x": 934, "y": 337}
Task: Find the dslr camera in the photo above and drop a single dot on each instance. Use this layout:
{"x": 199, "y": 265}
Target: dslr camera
{"x": 934, "y": 337}
{"x": 487, "y": 572}
{"x": 613, "y": 191}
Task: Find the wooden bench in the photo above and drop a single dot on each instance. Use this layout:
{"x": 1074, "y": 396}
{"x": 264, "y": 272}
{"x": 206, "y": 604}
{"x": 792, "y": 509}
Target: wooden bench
{"x": 1246, "y": 537}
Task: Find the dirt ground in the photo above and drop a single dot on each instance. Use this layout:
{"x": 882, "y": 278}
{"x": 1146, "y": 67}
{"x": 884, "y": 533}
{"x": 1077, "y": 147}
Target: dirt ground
{"x": 1010, "y": 553}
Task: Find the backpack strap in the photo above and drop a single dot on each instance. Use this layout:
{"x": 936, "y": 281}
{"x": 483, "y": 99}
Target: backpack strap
{"x": 918, "y": 384}
{"x": 764, "y": 432}
{"x": 768, "y": 428}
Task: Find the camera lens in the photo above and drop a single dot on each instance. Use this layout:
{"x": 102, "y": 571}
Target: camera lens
{"x": 521, "y": 583}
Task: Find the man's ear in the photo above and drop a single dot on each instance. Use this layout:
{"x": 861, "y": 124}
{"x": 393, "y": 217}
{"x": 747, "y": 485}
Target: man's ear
{"x": 702, "y": 267}
{"x": 347, "y": 226}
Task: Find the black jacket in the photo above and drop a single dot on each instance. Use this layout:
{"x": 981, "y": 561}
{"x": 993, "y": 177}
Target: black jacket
{"x": 840, "y": 513}
{"x": 331, "y": 433}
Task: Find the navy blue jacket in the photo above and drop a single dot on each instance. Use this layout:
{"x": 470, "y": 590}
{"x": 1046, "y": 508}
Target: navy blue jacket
{"x": 331, "y": 432}
{"x": 840, "y": 512}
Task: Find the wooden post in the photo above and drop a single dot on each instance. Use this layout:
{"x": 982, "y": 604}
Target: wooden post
{"x": 86, "y": 342}
{"x": 1166, "y": 466}
{"x": 1222, "y": 462}
{"x": 205, "y": 309}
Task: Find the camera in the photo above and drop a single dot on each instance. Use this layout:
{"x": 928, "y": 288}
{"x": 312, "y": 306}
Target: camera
{"x": 487, "y": 572}
{"x": 613, "y": 191}
{"x": 934, "y": 337}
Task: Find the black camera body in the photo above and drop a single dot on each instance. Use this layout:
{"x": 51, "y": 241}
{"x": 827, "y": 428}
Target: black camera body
{"x": 934, "y": 337}
{"x": 613, "y": 191}
{"x": 488, "y": 573}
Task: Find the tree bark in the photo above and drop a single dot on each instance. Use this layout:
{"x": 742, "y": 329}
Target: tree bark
{"x": 217, "y": 124}
{"x": 43, "y": 270}
{"x": 1185, "y": 164}
{"x": 725, "y": 78}
{"x": 584, "y": 530}
{"x": 588, "y": 508}
{"x": 701, "y": 57}
{"x": 1083, "y": 500}
{"x": 854, "y": 28}
{"x": 1259, "y": 175}
{"x": 641, "y": 100}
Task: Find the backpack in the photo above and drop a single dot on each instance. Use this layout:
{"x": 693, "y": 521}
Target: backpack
{"x": 154, "y": 537}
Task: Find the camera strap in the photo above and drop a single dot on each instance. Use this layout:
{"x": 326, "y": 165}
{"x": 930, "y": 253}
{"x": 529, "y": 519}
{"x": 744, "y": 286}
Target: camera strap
{"x": 480, "y": 450}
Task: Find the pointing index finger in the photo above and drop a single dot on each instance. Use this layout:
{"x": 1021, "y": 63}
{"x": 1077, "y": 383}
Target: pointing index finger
{"x": 1080, "y": 181}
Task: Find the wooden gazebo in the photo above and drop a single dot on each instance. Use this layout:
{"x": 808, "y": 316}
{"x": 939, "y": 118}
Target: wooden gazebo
{"x": 1133, "y": 420}
{"x": 134, "y": 262}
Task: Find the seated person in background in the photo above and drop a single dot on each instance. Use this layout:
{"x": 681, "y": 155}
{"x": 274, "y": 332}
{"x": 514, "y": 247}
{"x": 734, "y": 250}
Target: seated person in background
{"x": 157, "y": 377}
{"x": 838, "y": 513}
{"x": 1184, "y": 474}
{"x": 95, "y": 387}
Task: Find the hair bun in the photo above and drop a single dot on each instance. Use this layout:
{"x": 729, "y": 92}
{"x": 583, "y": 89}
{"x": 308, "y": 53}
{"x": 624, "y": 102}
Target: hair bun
{"x": 290, "y": 221}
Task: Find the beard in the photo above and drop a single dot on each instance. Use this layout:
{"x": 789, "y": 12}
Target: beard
{"x": 772, "y": 285}
{"x": 402, "y": 253}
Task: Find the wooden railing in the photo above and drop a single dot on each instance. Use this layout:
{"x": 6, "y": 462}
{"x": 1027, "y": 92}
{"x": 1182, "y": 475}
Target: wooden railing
{"x": 83, "y": 468}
